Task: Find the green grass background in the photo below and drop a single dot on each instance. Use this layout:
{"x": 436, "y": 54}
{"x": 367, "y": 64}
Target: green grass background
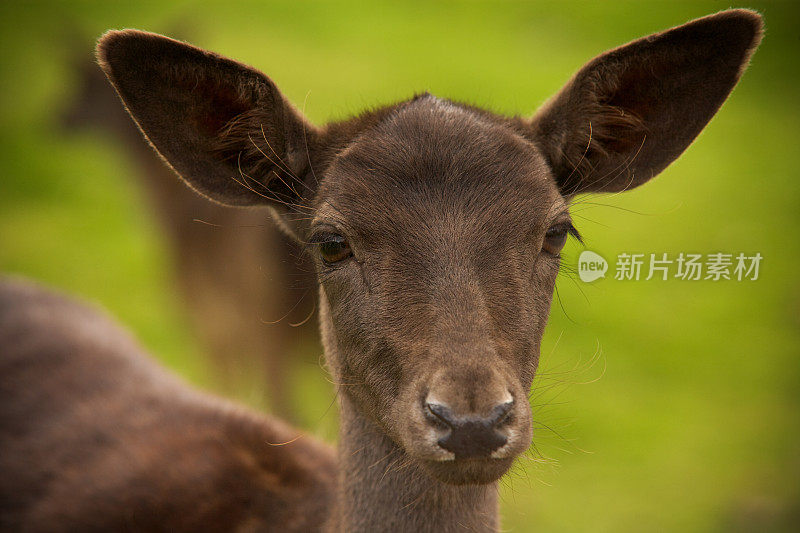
{"x": 662, "y": 406}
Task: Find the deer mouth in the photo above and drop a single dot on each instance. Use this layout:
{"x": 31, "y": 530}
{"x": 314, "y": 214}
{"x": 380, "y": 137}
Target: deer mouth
{"x": 464, "y": 466}
{"x": 474, "y": 471}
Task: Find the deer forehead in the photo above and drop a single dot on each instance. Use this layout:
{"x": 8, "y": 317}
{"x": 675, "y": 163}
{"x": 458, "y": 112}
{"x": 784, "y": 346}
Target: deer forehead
{"x": 441, "y": 168}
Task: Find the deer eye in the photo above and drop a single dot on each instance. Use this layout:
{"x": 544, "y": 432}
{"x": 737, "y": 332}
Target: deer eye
{"x": 555, "y": 238}
{"x": 334, "y": 248}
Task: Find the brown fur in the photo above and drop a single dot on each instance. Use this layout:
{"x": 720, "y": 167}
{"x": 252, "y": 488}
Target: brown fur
{"x": 96, "y": 437}
{"x": 454, "y": 217}
{"x": 237, "y": 273}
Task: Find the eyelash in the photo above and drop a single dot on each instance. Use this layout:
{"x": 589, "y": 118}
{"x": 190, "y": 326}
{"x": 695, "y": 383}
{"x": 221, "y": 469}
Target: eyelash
{"x": 570, "y": 229}
{"x": 320, "y": 237}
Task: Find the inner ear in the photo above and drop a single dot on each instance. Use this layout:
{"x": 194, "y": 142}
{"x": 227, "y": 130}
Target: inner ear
{"x": 219, "y": 103}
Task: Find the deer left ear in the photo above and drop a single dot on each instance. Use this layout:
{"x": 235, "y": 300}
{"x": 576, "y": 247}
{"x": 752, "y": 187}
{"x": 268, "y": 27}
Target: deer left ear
{"x": 631, "y": 111}
{"x": 224, "y": 127}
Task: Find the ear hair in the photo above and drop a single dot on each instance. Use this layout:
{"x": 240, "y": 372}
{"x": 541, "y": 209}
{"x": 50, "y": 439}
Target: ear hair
{"x": 630, "y": 112}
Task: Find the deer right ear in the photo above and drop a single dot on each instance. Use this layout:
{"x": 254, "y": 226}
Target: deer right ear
{"x": 631, "y": 111}
{"x": 224, "y": 127}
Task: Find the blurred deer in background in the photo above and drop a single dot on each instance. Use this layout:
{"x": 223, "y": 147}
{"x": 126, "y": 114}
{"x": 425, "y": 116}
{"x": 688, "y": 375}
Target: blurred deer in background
{"x": 96, "y": 436}
{"x": 242, "y": 281}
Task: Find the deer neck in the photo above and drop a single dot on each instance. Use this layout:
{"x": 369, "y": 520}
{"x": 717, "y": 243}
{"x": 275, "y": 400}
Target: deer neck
{"x": 381, "y": 490}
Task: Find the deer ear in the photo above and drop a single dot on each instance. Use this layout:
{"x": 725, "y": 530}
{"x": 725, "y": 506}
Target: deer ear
{"x": 224, "y": 127}
{"x": 631, "y": 111}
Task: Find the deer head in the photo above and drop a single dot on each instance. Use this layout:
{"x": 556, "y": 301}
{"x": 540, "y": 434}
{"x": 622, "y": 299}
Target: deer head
{"x": 436, "y": 227}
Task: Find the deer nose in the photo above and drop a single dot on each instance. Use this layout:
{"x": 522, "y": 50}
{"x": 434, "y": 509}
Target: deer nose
{"x": 470, "y": 436}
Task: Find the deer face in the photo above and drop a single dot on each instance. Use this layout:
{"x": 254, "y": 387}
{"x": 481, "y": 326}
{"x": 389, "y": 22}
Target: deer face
{"x": 437, "y": 237}
{"x": 436, "y": 227}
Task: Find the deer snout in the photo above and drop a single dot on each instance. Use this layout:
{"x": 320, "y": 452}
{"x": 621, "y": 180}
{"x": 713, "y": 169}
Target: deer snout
{"x": 470, "y": 435}
{"x": 465, "y": 416}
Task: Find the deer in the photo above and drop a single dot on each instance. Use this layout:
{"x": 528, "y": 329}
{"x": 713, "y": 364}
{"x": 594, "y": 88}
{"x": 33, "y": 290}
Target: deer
{"x": 436, "y": 230}
{"x": 246, "y": 302}
{"x": 96, "y": 436}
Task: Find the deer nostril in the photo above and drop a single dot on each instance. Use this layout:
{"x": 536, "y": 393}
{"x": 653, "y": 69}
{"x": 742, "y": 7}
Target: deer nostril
{"x": 470, "y": 436}
{"x": 439, "y": 414}
{"x": 501, "y": 413}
